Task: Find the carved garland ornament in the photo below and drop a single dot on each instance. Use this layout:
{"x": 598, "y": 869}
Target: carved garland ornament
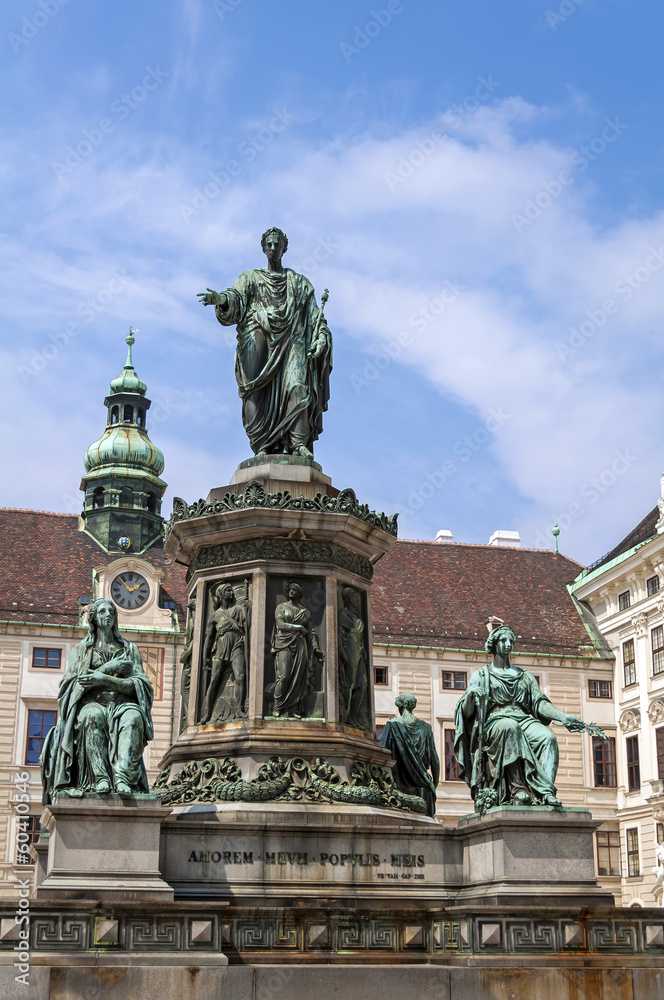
{"x": 656, "y": 712}
{"x": 212, "y": 780}
{"x": 283, "y": 549}
{"x": 254, "y": 494}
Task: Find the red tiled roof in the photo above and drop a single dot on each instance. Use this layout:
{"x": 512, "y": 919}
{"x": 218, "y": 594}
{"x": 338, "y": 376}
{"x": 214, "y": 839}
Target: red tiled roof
{"x": 433, "y": 594}
{"x": 46, "y": 564}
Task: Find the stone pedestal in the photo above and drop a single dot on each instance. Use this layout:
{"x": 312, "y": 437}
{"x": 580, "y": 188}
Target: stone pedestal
{"x": 104, "y": 848}
{"x": 280, "y": 520}
{"x": 513, "y": 856}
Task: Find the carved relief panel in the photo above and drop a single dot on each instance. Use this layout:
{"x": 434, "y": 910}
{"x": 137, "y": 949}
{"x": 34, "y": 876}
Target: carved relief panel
{"x": 295, "y": 640}
{"x": 224, "y": 657}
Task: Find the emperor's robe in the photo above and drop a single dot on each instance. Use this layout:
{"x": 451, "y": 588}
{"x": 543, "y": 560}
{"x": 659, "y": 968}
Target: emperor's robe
{"x": 278, "y": 322}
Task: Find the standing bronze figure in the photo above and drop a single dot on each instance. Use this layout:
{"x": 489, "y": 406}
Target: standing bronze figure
{"x": 226, "y": 649}
{"x": 105, "y": 701}
{"x": 185, "y": 660}
{"x": 411, "y": 742}
{"x": 353, "y": 681}
{"x": 295, "y": 648}
{"x": 283, "y": 357}
{"x": 506, "y": 752}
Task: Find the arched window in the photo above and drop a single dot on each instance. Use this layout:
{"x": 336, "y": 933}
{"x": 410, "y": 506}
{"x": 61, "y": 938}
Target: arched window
{"x": 126, "y": 497}
{"x": 115, "y": 414}
{"x": 98, "y": 497}
{"x": 140, "y": 420}
{"x": 152, "y": 503}
{"x": 128, "y": 414}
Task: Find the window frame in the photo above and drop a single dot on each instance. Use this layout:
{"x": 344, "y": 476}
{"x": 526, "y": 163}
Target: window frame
{"x": 154, "y": 672}
{"x": 606, "y": 764}
{"x": 624, "y": 605}
{"x": 659, "y": 751}
{"x": 657, "y": 654}
{"x": 633, "y": 870}
{"x": 649, "y": 592}
{"x": 42, "y": 736}
{"x": 47, "y": 649}
{"x": 449, "y": 757}
{"x": 454, "y": 674}
{"x": 604, "y": 697}
{"x": 629, "y": 663}
{"x": 387, "y": 682}
{"x": 609, "y": 847}
{"x": 633, "y": 765}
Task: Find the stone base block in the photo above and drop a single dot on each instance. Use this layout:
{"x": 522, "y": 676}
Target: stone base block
{"x": 512, "y": 855}
{"x": 104, "y": 847}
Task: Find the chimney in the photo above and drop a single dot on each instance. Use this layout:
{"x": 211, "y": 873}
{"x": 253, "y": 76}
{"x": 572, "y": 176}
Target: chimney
{"x": 444, "y": 536}
{"x": 506, "y": 539}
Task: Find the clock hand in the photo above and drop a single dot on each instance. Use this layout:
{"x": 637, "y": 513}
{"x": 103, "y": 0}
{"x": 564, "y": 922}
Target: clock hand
{"x": 130, "y": 589}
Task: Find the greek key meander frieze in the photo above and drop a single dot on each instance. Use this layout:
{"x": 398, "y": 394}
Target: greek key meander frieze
{"x": 295, "y": 779}
{"x": 281, "y": 549}
{"x": 254, "y": 494}
{"x": 471, "y": 934}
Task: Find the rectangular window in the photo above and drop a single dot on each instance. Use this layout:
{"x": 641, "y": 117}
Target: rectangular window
{"x": 657, "y": 642}
{"x": 659, "y": 832}
{"x": 153, "y": 664}
{"x": 381, "y": 676}
{"x": 538, "y": 679}
{"x": 608, "y": 852}
{"x": 39, "y": 724}
{"x": 46, "y": 658}
{"x": 629, "y": 662}
{"x": 27, "y": 829}
{"x": 632, "y": 837}
{"x": 451, "y": 763}
{"x": 659, "y": 750}
{"x": 600, "y": 689}
{"x": 454, "y": 681}
{"x": 604, "y": 762}
{"x": 633, "y": 766}
{"x": 652, "y": 585}
{"x": 623, "y": 601}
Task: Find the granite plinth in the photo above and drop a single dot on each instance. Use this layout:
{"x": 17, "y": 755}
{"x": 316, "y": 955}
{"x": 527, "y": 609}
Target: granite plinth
{"x": 104, "y": 847}
{"x": 512, "y": 855}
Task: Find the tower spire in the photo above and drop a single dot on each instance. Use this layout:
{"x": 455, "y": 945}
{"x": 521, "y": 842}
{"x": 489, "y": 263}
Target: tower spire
{"x": 131, "y": 340}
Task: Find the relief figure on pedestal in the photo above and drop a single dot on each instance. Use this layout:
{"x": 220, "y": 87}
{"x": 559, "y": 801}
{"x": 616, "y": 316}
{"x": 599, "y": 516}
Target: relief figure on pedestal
{"x": 185, "y": 660}
{"x": 226, "y": 653}
{"x": 410, "y": 741}
{"x": 506, "y": 752}
{"x": 295, "y": 648}
{"x": 353, "y": 664}
{"x": 283, "y": 357}
{"x": 105, "y": 701}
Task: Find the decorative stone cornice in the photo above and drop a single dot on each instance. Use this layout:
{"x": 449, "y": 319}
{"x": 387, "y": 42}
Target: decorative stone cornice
{"x": 254, "y": 494}
{"x": 656, "y": 711}
{"x": 282, "y": 549}
{"x": 630, "y": 720}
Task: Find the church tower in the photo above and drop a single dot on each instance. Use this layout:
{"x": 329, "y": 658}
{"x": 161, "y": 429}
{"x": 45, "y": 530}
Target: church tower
{"x": 123, "y": 491}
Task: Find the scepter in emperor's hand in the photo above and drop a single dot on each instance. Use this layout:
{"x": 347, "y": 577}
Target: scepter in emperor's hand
{"x": 316, "y": 347}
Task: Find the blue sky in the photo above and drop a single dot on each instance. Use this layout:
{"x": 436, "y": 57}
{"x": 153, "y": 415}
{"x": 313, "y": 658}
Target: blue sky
{"x": 479, "y": 185}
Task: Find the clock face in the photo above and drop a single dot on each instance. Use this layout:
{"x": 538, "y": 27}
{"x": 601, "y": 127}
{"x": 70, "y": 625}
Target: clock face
{"x": 130, "y": 590}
